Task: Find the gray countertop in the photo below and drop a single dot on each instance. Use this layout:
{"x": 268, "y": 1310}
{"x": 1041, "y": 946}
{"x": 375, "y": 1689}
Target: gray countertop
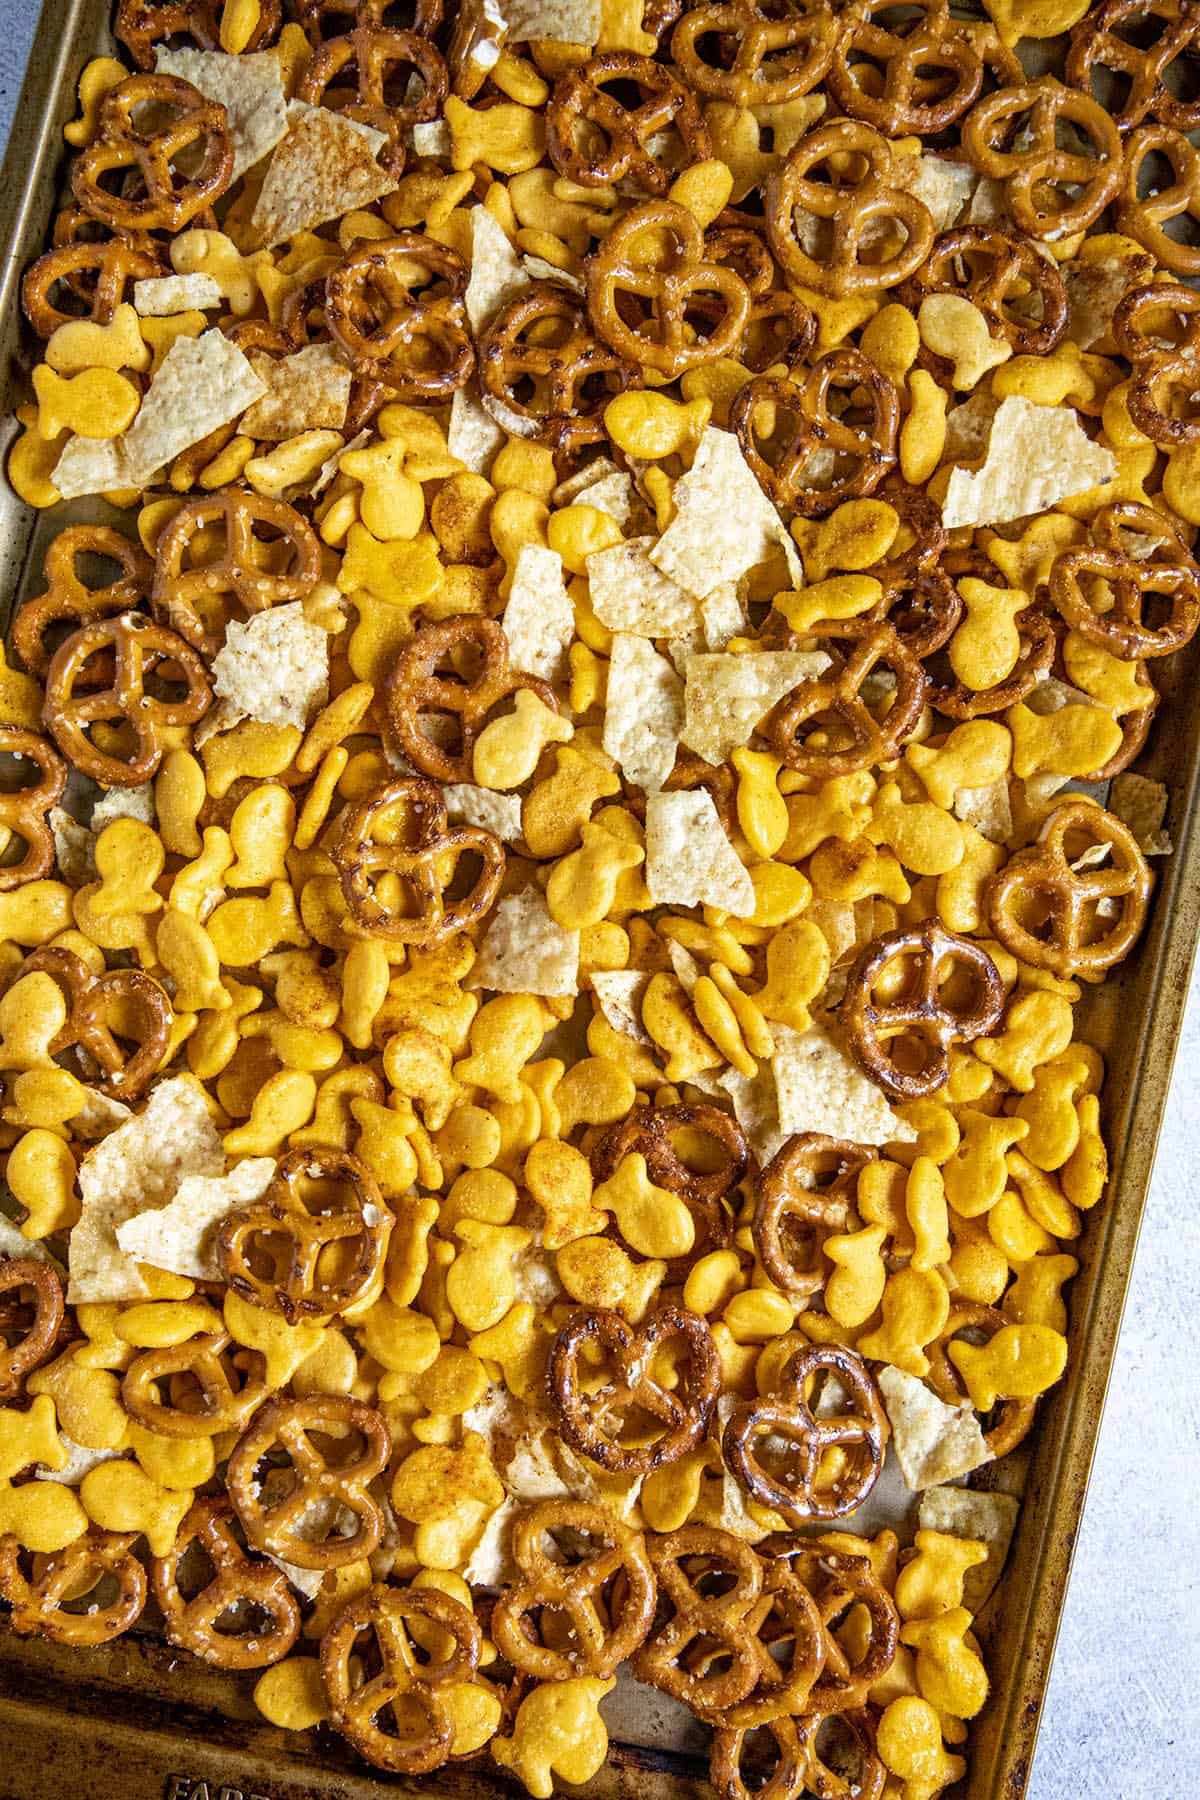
{"x": 1122, "y": 1720}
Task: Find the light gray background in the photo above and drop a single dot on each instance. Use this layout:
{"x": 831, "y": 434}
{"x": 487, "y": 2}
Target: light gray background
{"x": 1122, "y": 1718}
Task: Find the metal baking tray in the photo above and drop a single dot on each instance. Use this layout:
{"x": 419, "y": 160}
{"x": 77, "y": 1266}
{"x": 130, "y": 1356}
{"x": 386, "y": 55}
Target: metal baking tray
{"x": 139, "y": 1720}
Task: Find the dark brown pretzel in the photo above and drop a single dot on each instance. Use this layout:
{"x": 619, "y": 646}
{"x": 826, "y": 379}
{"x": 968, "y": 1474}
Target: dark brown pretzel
{"x": 825, "y": 727}
{"x": 70, "y": 598}
{"x": 321, "y": 19}
{"x": 861, "y": 454}
{"x": 644, "y": 284}
{"x": 478, "y": 35}
{"x": 591, "y": 1423}
{"x": 417, "y": 687}
{"x": 841, "y": 1583}
{"x": 1162, "y": 387}
{"x": 911, "y": 966}
{"x": 1013, "y": 1420}
{"x": 29, "y": 1328}
{"x": 916, "y": 72}
{"x": 84, "y": 280}
{"x": 1132, "y": 584}
{"x": 786, "y": 1778}
{"x": 420, "y": 861}
{"x": 799, "y": 1438}
{"x": 804, "y": 1195}
{"x": 759, "y": 57}
{"x": 649, "y": 1131}
{"x": 255, "y": 1593}
{"x": 1002, "y": 275}
{"x": 293, "y": 1526}
{"x": 374, "y": 57}
{"x": 138, "y": 649}
{"x": 1098, "y": 46}
{"x": 200, "y": 1375}
{"x": 545, "y": 370}
{"x": 141, "y": 24}
{"x": 196, "y": 599}
{"x": 413, "y": 343}
{"x": 168, "y": 199}
{"x": 1050, "y": 191}
{"x": 594, "y": 138}
{"x": 23, "y": 810}
{"x": 42, "y": 1601}
{"x": 124, "y": 1003}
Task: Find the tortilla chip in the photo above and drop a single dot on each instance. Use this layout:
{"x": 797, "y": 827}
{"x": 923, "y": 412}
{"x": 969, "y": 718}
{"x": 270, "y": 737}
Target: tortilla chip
{"x": 202, "y": 383}
{"x": 629, "y": 594}
{"x": 539, "y": 619}
{"x": 181, "y": 1237}
{"x": 1037, "y": 456}
{"x": 274, "y": 668}
{"x": 643, "y": 711}
{"x": 558, "y": 21}
{"x": 689, "y": 859}
{"x": 326, "y": 166}
{"x": 473, "y": 436}
{"x": 163, "y": 295}
{"x": 819, "y": 1088}
{"x": 500, "y": 814}
{"x": 250, "y": 88}
{"x": 307, "y": 391}
{"x": 496, "y": 272}
{"x": 727, "y": 695}
{"x": 982, "y": 1518}
{"x": 933, "y": 1442}
{"x": 524, "y": 951}
{"x": 724, "y": 524}
{"x": 619, "y": 996}
{"x": 1142, "y": 805}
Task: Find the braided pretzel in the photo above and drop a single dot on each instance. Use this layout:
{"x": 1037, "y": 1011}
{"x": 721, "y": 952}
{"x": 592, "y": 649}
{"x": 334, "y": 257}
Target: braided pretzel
{"x": 603, "y": 1602}
{"x": 1050, "y": 192}
{"x": 84, "y": 280}
{"x": 322, "y": 1487}
{"x": 804, "y": 1195}
{"x": 28, "y": 1328}
{"x": 377, "y": 58}
{"x": 51, "y": 1601}
{"x": 1161, "y": 390}
{"x": 1004, "y": 276}
{"x": 141, "y": 24}
{"x": 23, "y": 810}
{"x": 396, "y": 1685}
{"x": 279, "y": 1255}
{"x": 315, "y": 15}
{"x": 415, "y": 344}
{"x": 168, "y": 200}
{"x": 424, "y": 862}
{"x": 1013, "y": 1419}
{"x": 194, "y": 597}
{"x": 840, "y": 1584}
{"x": 1098, "y": 46}
{"x": 138, "y": 649}
{"x": 542, "y": 367}
{"x": 252, "y": 1595}
{"x": 650, "y": 1132}
{"x": 595, "y": 139}
{"x": 903, "y": 1041}
{"x": 644, "y": 281}
{"x": 845, "y": 734}
{"x": 760, "y": 57}
{"x": 416, "y": 689}
{"x": 1132, "y": 583}
{"x": 915, "y": 72}
{"x": 139, "y": 1006}
{"x": 69, "y": 597}
{"x": 200, "y": 1375}
{"x": 1044, "y": 910}
{"x": 807, "y": 432}
{"x": 1147, "y": 205}
{"x": 713, "y": 1583}
{"x": 800, "y": 1438}
{"x": 592, "y": 1423}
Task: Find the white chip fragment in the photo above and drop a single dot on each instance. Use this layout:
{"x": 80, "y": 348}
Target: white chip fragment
{"x": 559, "y": 21}
{"x": 619, "y": 996}
{"x": 91, "y": 466}
{"x": 629, "y": 594}
{"x": 274, "y": 668}
{"x": 496, "y": 272}
{"x": 539, "y": 619}
{"x": 80, "y": 1461}
{"x": 472, "y": 435}
{"x": 326, "y": 166}
{"x": 988, "y": 809}
{"x": 13, "y": 1242}
{"x": 612, "y": 493}
{"x": 307, "y": 391}
{"x": 250, "y": 88}
{"x": 491, "y": 1564}
{"x": 933, "y": 1442}
{"x": 124, "y": 803}
{"x": 500, "y": 814}
{"x": 819, "y": 1088}
{"x": 181, "y": 1237}
{"x": 727, "y": 695}
{"x": 137, "y": 1168}
{"x": 430, "y": 137}
{"x": 162, "y": 295}
{"x": 525, "y": 951}
{"x": 722, "y": 616}
{"x": 944, "y": 188}
{"x": 99, "y": 1114}
{"x": 1036, "y": 456}
{"x": 985, "y": 1518}
{"x": 689, "y": 859}
{"x": 1094, "y": 291}
{"x": 74, "y": 848}
{"x": 1141, "y": 804}
{"x": 756, "y": 1108}
{"x": 538, "y": 269}
{"x": 724, "y": 524}
{"x": 643, "y": 711}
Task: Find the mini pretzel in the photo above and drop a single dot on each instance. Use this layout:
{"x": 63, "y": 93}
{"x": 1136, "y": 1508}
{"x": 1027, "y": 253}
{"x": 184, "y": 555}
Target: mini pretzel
{"x": 1147, "y": 205}
{"x": 141, "y": 24}
{"x": 643, "y": 285}
{"x": 1050, "y": 192}
{"x": 591, "y": 1422}
{"x": 840, "y": 1584}
{"x": 65, "y": 1579}
{"x": 792, "y": 1485}
{"x": 787, "y": 1778}
{"x": 96, "y": 278}
{"x": 1019, "y": 292}
{"x": 855, "y": 1772}
{"x": 307, "y": 1264}
{"x": 849, "y": 203}
{"x": 167, "y": 199}
{"x": 804, "y": 1195}
{"x": 1013, "y": 1419}
{"x": 1098, "y": 46}
{"x": 1045, "y": 911}
{"x": 375, "y": 1709}
{"x": 1135, "y": 585}
{"x": 603, "y": 1603}
{"x": 424, "y": 862}
{"x": 195, "y": 598}
{"x": 416, "y": 688}
{"x": 29, "y": 1328}
{"x": 903, "y": 1040}
{"x": 543, "y": 368}
{"x": 316, "y": 15}
{"x": 916, "y": 73}
{"x": 825, "y": 727}
{"x": 781, "y": 328}
{"x": 758, "y": 56}
{"x": 322, "y": 1489}
{"x": 414, "y": 343}
{"x": 1161, "y": 391}
{"x": 23, "y": 810}
{"x": 713, "y": 1582}
{"x": 69, "y": 598}
{"x": 595, "y": 139}
{"x": 784, "y": 1614}
{"x": 650, "y": 1131}
{"x": 243, "y": 1590}
{"x": 138, "y": 649}
{"x": 377, "y": 58}
{"x": 211, "y": 1387}
{"x": 860, "y": 451}
{"x": 140, "y": 1007}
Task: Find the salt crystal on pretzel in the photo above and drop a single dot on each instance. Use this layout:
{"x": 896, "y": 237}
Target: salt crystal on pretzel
{"x": 689, "y": 859}
{"x": 820, "y": 1088}
{"x": 1141, "y": 804}
{"x": 500, "y": 814}
{"x": 162, "y": 295}
{"x": 472, "y": 435}
{"x": 933, "y": 1442}
{"x": 250, "y": 88}
{"x": 524, "y": 950}
{"x": 181, "y": 1237}
{"x": 643, "y": 711}
{"x": 619, "y": 996}
{"x": 539, "y": 619}
{"x": 724, "y": 524}
{"x": 274, "y": 668}
{"x": 326, "y": 166}
{"x": 629, "y": 594}
{"x": 981, "y": 1518}
{"x": 307, "y": 391}
{"x": 726, "y": 695}
{"x": 496, "y": 272}
{"x": 1036, "y": 456}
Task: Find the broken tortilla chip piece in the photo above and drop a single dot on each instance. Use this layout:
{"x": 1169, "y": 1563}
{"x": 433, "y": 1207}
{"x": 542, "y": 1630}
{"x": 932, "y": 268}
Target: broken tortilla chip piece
{"x": 307, "y": 391}
{"x": 1036, "y": 456}
{"x": 933, "y": 1442}
{"x": 629, "y": 594}
{"x": 643, "y": 713}
{"x": 689, "y": 859}
{"x": 524, "y": 950}
{"x": 539, "y": 619}
{"x": 983, "y": 1518}
{"x": 181, "y": 1237}
{"x": 727, "y": 695}
{"x": 327, "y": 165}
{"x": 724, "y": 525}
{"x": 250, "y": 88}
{"x": 819, "y": 1088}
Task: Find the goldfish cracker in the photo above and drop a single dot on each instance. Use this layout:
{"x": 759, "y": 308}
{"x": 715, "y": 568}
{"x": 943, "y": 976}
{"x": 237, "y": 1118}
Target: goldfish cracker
{"x": 909, "y": 1742}
{"x": 950, "y": 1675}
{"x": 120, "y": 1496}
{"x": 558, "y": 1730}
{"x": 916, "y": 1305}
{"x": 292, "y": 1694}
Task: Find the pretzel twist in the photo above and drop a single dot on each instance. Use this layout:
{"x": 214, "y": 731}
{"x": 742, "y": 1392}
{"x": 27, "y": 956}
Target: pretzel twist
{"x": 269, "y": 1621}
{"x": 424, "y": 864}
{"x": 283, "y": 1526}
{"x": 42, "y": 1601}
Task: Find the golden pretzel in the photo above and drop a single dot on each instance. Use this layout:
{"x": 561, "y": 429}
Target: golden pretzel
{"x": 452, "y": 668}
{"x": 53, "y": 1601}
{"x": 395, "y": 308}
{"x": 23, "y": 810}
{"x": 915, "y": 73}
{"x": 545, "y": 372}
{"x": 141, "y": 24}
{"x": 841, "y": 1583}
{"x": 84, "y": 280}
{"x": 772, "y": 57}
{"x": 592, "y": 1423}
{"x": 305, "y": 1524}
{"x": 422, "y": 861}
{"x": 826, "y": 727}
{"x": 376, "y": 58}
{"x": 69, "y": 598}
{"x": 901, "y": 1016}
{"x": 268, "y": 554}
{"x": 269, "y": 1618}
{"x": 28, "y": 1328}
{"x": 713, "y": 1583}
{"x": 1050, "y": 192}
{"x": 1097, "y": 45}
{"x": 139, "y": 1011}
{"x": 660, "y": 1134}
{"x": 169, "y": 200}
{"x": 1134, "y": 585}
{"x": 1019, "y": 292}
{"x": 322, "y": 19}
{"x": 804, "y": 1195}
{"x": 1164, "y": 379}
{"x": 211, "y": 1387}
{"x": 1147, "y": 205}
{"x": 594, "y": 138}
{"x": 858, "y": 444}
{"x": 139, "y": 649}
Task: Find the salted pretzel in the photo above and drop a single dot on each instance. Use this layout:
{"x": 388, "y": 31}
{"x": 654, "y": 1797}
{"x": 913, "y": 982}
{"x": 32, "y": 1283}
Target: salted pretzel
{"x": 655, "y": 298}
{"x": 421, "y": 862}
{"x": 713, "y": 1583}
{"x": 391, "y": 1706}
{"x": 83, "y": 279}
{"x": 1148, "y": 202}
{"x": 799, "y": 1437}
{"x": 1050, "y": 192}
{"x": 809, "y": 436}
{"x": 24, "y": 810}
{"x": 601, "y": 1602}
{"x": 1098, "y": 47}
{"x": 804, "y": 1195}
{"x": 236, "y": 1590}
{"x": 827, "y": 727}
{"x": 70, "y": 598}
{"x": 478, "y": 35}
{"x": 915, "y": 72}
{"x": 29, "y": 1326}
{"x": 141, "y": 24}
{"x": 545, "y": 372}
{"x": 124, "y": 1004}
{"x": 594, "y": 138}
{"x": 394, "y": 306}
{"x": 842, "y": 176}
{"x": 653, "y": 1132}
{"x": 1161, "y": 391}
{"x": 781, "y": 327}
{"x": 854, "y": 1770}
{"x": 1013, "y": 1419}
{"x": 752, "y": 55}
{"x": 452, "y": 668}
{"x": 298, "y": 1253}
{"x": 1019, "y": 292}
{"x": 841, "y": 1584}
{"x": 1136, "y": 586}
{"x": 266, "y": 554}
{"x": 788, "y": 1635}
{"x": 1043, "y": 907}
{"x": 786, "y": 1779}
{"x": 211, "y": 1385}
{"x": 321, "y": 19}
{"x": 593, "y": 1425}
{"x": 166, "y": 198}
{"x": 305, "y": 1524}
{"x": 129, "y": 649}
{"x": 901, "y": 1014}
{"x": 361, "y": 74}
{"x": 55, "y": 1600}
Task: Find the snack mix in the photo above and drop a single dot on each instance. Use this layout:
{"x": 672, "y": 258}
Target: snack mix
{"x": 558, "y": 812}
